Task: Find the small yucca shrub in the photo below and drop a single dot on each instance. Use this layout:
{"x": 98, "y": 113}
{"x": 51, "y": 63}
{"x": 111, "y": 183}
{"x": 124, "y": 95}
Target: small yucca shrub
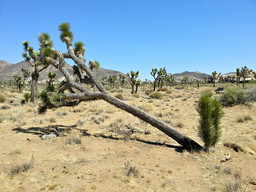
{"x": 210, "y": 112}
{"x": 26, "y": 97}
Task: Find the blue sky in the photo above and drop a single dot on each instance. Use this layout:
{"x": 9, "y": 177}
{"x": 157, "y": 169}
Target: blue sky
{"x": 125, "y": 35}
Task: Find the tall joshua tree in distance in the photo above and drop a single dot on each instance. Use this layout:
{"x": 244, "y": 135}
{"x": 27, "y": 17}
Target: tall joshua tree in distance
{"x": 238, "y": 75}
{"x": 153, "y": 73}
{"x": 244, "y": 73}
{"x": 35, "y": 60}
{"x": 133, "y": 79}
{"x": 215, "y": 76}
{"x": 56, "y": 58}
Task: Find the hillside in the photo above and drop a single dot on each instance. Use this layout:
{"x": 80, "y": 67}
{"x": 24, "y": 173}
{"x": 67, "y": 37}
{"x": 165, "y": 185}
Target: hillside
{"x": 191, "y": 75}
{"x": 4, "y": 64}
{"x": 7, "y": 71}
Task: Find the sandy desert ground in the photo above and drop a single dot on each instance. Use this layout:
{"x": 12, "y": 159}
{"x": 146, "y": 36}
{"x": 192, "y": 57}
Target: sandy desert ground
{"x": 110, "y": 158}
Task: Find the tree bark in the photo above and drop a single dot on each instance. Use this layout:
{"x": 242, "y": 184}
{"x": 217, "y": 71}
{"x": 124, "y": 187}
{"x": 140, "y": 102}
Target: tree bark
{"x": 86, "y": 95}
{"x": 182, "y": 139}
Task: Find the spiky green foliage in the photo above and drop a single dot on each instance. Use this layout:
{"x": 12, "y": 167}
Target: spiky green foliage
{"x": 65, "y": 31}
{"x": 26, "y": 97}
{"x": 78, "y": 47}
{"x": 94, "y": 65}
{"x": 210, "y": 112}
{"x": 19, "y": 83}
{"x": 26, "y": 44}
{"x": 45, "y": 40}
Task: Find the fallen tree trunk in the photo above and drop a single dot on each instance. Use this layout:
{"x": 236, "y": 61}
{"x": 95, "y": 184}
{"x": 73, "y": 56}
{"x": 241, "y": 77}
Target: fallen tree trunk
{"x": 82, "y": 94}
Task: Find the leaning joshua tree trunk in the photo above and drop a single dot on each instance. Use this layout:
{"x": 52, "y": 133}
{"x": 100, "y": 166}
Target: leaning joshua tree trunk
{"x": 57, "y": 59}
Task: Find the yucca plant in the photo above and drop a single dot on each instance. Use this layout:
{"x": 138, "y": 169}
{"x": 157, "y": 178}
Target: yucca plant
{"x": 210, "y": 112}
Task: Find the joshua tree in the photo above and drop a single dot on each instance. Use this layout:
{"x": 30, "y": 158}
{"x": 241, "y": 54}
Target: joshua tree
{"x": 26, "y": 73}
{"x": 112, "y": 79}
{"x": 50, "y": 86}
{"x": 18, "y": 82}
{"x": 80, "y": 94}
{"x": 238, "y": 75}
{"x": 215, "y": 76}
{"x": 122, "y": 80}
{"x": 244, "y": 73}
{"x": 133, "y": 79}
{"x": 35, "y": 60}
{"x": 185, "y": 80}
{"x": 153, "y": 73}
{"x": 210, "y": 112}
{"x": 137, "y": 84}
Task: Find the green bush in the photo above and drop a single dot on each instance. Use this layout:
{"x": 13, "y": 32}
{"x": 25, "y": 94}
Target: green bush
{"x": 156, "y": 95}
{"x": 210, "y": 112}
{"x": 26, "y": 97}
{"x": 234, "y": 96}
{"x": 2, "y": 98}
{"x": 252, "y": 82}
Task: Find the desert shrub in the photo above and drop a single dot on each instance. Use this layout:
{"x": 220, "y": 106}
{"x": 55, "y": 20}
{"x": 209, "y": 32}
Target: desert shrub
{"x": 131, "y": 170}
{"x": 252, "y": 93}
{"x": 2, "y": 98}
{"x": 210, "y": 112}
{"x": 145, "y": 107}
{"x": 73, "y": 140}
{"x": 162, "y": 89}
{"x": 234, "y": 96}
{"x": 16, "y": 169}
{"x": 26, "y": 97}
{"x": 136, "y": 95}
{"x": 156, "y": 95}
{"x": 119, "y": 96}
{"x": 252, "y": 82}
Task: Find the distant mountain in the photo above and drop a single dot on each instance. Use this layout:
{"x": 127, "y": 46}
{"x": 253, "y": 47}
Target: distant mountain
{"x": 7, "y": 71}
{"x": 4, "y": 64}
{"x": 196, "y": 75}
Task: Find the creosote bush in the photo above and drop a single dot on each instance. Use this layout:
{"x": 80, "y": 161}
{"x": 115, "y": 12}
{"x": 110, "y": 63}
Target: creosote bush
{"x": 156, "y": 95}
{"x": 210, "y": 112}
{"x": 234, "y": 96}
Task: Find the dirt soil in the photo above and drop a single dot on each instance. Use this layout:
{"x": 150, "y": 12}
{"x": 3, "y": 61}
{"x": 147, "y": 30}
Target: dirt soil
{"x": 101, "y": 148}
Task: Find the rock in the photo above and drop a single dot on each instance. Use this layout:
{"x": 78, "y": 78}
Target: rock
{"x": 226, "y": 158}
{"x": 49, "y": 136}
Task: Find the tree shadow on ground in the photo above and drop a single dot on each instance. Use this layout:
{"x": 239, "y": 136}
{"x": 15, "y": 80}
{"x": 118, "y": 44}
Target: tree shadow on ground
{"x": 62, "y": 130}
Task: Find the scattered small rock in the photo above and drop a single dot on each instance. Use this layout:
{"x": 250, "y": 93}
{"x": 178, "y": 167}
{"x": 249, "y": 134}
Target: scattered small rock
{"x": 226, "y": 158}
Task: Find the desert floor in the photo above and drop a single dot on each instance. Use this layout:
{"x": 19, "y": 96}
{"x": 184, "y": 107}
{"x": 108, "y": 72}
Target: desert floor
{"x": 110, "y": 158}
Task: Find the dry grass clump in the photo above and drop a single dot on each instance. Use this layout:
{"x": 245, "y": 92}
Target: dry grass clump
{"x": 119, "y": 96}
{"x": 136, "y": 95}
{"x": 73, "y": 140}
{"x": 131, "y": 170}
{"x": 19, "y": 168}
{"x": 162, "y": 89}
{"x": 145, "y": 107}
{"x": 2, "y": 98}
{"x": 156, "y": 95}
{"x": 243, "y": 119}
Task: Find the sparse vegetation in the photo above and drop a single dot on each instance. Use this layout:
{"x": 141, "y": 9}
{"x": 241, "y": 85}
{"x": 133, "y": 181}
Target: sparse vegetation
{"x": 2, "y": 98}
{"x": 156, "y": 95}
{"x": 234, "y": 96}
